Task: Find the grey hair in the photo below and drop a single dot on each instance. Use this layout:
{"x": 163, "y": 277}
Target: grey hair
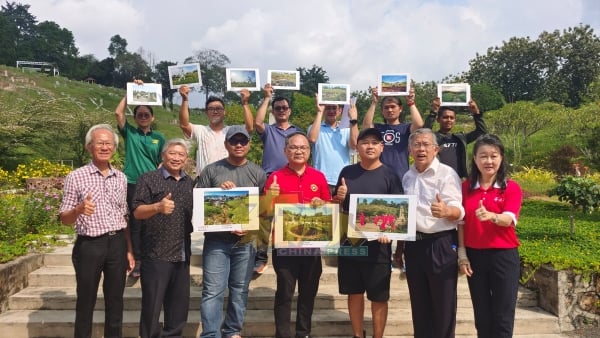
{"x": 105, "y": 126}
{"x": 288, "y": 137}
{"x": 422, "y": 131}
{"x": 176, "y": 142}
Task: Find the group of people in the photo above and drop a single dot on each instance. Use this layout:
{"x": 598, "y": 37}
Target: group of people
{"x": 139, "y": 220}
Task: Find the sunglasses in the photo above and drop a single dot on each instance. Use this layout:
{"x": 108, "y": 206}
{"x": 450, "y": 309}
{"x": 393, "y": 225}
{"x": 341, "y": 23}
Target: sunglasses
{"x": 281, "y": 108}
{"x": 236, "y": 141}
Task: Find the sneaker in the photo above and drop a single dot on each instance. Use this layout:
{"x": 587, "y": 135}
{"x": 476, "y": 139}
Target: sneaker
{"x": 135, "y": 273}
{"x": 260, "y": 268}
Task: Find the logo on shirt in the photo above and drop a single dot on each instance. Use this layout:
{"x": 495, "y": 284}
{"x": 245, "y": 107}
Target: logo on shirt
{"x": 314, "y": 187}
{"x": 154, "y": 141}
{"x": 391, "y": 136}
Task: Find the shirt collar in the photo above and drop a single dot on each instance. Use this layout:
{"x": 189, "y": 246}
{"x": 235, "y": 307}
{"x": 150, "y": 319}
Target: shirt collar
{"x": 434, "y": 166}
{"x": 477, "y": 186}
{"x": 94, "y": 169}
{"x": 165, "y": 174}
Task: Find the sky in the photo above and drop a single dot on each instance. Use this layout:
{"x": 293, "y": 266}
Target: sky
{"x": 354, "y": 41}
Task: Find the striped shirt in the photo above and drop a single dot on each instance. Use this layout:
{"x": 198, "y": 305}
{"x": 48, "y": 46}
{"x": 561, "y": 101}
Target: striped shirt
{"x": 108, "y": 193}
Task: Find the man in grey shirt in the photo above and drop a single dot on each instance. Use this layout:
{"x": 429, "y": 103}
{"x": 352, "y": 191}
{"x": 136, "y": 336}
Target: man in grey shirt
{"x": 228, "y": 256}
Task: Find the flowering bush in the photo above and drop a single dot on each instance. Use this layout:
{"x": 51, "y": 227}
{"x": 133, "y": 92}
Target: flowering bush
{"x": 37, "y": 168}
{"x": 534, "y": 180}
{"x": 3, "y": 177}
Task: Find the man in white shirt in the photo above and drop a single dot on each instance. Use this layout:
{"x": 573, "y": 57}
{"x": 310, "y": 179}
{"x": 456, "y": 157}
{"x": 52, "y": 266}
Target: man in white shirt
{"x": 431, "y": 260}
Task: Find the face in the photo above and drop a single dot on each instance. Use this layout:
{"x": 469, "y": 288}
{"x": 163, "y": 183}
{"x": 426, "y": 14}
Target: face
{"x": 369, "y": 148}
{"x": 447, "y": 120}
{"x": 332, "y": 113}
{"x": 215, "y": 112}
{"x": 391, "y": 110}
{"x": 298, "y": 150}
{"x": 488, "y": 160}
{"x": 281, "y": 111}
{"x": 423, "y": 150}
{"x": 102, "y": 146}
{"x": 238, "y": 146}
{"x": 174, "y": 158}
{"x": 143, "y": 117}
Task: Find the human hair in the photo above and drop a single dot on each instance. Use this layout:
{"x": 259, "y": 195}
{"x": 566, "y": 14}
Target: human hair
{"x": 442, "y": 109}
{"x": 105, "y": 126}
{"x": 176, "y": 142}
{"x": 393, "y": 99}
{"x": 279, "y": 98}
{"x": 212, "y": 99}
{"x": 494, "y": 141}
{"x": 422, "y": 131}
{"x": 287, "y": 138}
{"x": 136, "y": 108}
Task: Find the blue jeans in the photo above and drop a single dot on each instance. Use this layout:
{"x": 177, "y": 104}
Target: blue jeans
{"x": 224, "y": 265}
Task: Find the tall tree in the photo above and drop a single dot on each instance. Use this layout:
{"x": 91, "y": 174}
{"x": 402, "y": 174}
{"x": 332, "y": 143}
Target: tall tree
{"x": 8, "y": 40}
{"x": 310, "y": 78}
{"x": 117, "y": 46}
{"x": 212, "y": 67}
{"x": 161, "y": 75}
{"x": 25, "y": 23}
{"x": 55, "y": 44}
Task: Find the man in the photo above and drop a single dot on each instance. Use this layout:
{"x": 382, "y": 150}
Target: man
{"x": 210, "y": 138}
{"x": 142, "y": 154}
{"x": 228, "y": 257}
{"x": 95, "y": 200}
{"x": 296, "y": 183}
{"x": 331, "y": 144}
{"x": 431, "y": 260}
{"x": 163, "y": 203}
{"x": 395, "y": 134}
{"x": 370, "y": 274}
{"x": 453, "y": 146}
{"x": 273, "y": 137}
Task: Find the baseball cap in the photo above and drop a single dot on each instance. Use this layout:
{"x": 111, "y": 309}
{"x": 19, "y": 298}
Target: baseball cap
{"x": 236, "y": 129}
{"x": 370, "y": 132}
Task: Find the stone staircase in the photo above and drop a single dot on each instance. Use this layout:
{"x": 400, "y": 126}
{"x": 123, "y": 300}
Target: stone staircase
{"x": 46, "y": 307}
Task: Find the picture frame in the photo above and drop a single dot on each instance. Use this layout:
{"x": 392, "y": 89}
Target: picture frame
{"x": 372, "y": 215}
{"x": 454, "y": 94}
{"x": 242, "y": 78}
{"x": 217, "y": 209}
{"x": 397, "y": 84}
{"x": 333, "y": 93}
{"x": 144, "y": 94}
{"x": 319, "y": 227}
{"x": 187, "y": 74}
{"x": 284, "y": 79}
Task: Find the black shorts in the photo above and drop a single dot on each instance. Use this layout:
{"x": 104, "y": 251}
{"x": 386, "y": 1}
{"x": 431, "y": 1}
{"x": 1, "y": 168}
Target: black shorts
{"x": 356, "y": 277}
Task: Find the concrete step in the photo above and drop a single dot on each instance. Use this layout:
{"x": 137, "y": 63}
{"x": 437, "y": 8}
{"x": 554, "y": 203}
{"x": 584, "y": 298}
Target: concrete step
{"x": 259, "y": 323}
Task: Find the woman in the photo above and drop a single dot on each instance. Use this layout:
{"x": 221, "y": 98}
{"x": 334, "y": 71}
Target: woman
{"x": 488, "y": 244}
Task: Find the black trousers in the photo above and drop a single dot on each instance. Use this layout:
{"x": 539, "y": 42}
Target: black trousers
{"x": 164, "y": 284}
{"x": 494, "y": 286}
{"x": 432, "y": 274}
{"x": 306, "y": 270}
{"x": 135, "y": 226}
{"x": 92, "y": 257}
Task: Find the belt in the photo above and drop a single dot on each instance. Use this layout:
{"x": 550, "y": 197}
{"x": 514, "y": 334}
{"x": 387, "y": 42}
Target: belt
{"x": 423, "y": 235}
{"x": 106, "y": 234}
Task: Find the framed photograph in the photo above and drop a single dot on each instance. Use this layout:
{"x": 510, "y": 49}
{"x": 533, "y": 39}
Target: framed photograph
{"x": 454, "y": 94}
{"x": 333, "y": 93}
{"x": 216, "y": 209}
{"x": 186, "y": 74}
{"x": 303, "y": 226}
{"x": 393, "y": 84}
{"x": 242, "y": 78}
{"x": 145, "y": 94}
{"x": 371, "y": 216}
{"x": 284, "y": 79}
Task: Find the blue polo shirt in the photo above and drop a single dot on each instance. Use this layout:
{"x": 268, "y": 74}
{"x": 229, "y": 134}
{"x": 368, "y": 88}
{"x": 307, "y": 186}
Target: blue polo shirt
{"x": 331, "y": 152}
{"x": 273, "y": 147}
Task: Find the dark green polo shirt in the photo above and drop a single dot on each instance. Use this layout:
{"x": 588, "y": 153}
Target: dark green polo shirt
{"x": 142, "y": 151}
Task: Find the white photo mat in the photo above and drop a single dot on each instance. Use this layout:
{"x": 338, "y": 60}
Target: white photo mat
{"x": 217, "y": 209}
{"x": 284, "y": 79}
{"x": 300, "y": 225}
{"x": 187, "y": 74}
{"x": 332, "y": 93}
{"x": 242, "y": 78}
{"x": 371, "y": 216}
{"x": 454, "y": 94}
{"x": 393, "y": 84}
{"x": 144, "y": 94}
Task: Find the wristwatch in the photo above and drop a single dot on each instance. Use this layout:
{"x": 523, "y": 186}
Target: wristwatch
{"x": 353, "y": 122}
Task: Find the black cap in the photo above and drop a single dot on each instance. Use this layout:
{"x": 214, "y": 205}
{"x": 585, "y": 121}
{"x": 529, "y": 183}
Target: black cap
{"x": 234, "y": 130}
{"x": 370, "y": 132}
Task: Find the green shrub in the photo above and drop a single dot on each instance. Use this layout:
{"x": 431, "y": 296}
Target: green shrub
{"x": 535, "y": 181}
{"x": 582, "y": 193}
{"x": 37, "y": 168}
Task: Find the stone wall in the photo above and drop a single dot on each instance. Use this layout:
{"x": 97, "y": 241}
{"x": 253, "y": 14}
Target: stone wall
{"x": 44, "y": 183}
{"x": 574, "y": 298}
{"x": 14, "y": 276}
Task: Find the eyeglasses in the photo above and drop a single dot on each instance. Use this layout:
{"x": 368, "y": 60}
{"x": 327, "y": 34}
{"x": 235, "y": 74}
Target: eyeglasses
{"x": 236, "y": 141}
{"x": 215, "y": 109}
{"x": 143, "y": 115}
{"x": 104, "y": 144}
{"x": 418, "y": 145}
{"x": 281, "y": 108}
{"x": 296, "y": 148}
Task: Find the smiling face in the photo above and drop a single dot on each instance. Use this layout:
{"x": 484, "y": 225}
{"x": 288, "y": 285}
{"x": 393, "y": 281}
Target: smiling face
{"x": 215, "y": 111}
{"x": 447, "y": 120}
{"x": 297, "y": 150}
{"x": 237, "y": 147}
{"x": 332, "y": 113}
{"x": 488, "y": 159}
{"x": 423, "y": 150}
{"x": 174, "y": 158}
{"x": 281, "y": 110}
{"x": 143, "y": 117}
{"x": 102, "y": 146}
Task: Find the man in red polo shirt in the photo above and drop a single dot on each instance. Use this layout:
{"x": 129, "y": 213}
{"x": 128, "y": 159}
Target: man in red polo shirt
{"x": 296, "y": 183}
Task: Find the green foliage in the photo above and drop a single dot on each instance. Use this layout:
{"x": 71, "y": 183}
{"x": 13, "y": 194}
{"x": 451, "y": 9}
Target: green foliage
{"x": 581, "y": 192}
{"x": 310, "y": 79}
{"x": 535, "y": 181}
{"x": 37, "y": 168}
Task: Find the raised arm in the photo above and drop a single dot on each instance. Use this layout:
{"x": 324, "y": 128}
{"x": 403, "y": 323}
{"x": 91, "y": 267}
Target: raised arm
{"x": 415, "y": 115}
{"x": 248, "y": 118}
{"x": 184, "y": 113}
{"x": 480, "y": 127}
{"x": 120, "y": 113}
{"x": 353, "y": 116}
{"x": 261, "y": 113}
{"x": 435, "y": 107}
{"x": 315, "y": 129}
{"x": 368, "y": 119}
